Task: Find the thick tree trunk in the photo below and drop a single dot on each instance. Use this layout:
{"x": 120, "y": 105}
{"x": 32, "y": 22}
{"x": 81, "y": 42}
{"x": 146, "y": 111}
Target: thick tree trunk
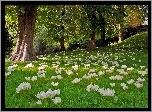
{"x": 24, "y": 50}
{"x": 91, "y": 45}
{"x": 62, "y": 47}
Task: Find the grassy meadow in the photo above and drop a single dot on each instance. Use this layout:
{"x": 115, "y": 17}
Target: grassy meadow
{"x": 115, "y": 76}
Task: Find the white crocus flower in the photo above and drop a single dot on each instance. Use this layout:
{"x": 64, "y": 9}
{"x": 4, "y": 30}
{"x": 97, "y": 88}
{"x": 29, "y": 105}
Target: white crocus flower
{"x": 57, "y": 100}
{"x": 44, "y": 66}
{"x": 23, "y": 86}
{"x": 89, "y": 87}
{"x": 140, "y": 80}
{"x": 41, "y": 73}
{"x": 130, "y": 81}
{"x": 112, "y": 84}
{"x": 125, "y": 87}
{"x": 30, "y": 65}
{"x": 39, "y": 102}
{"x": 123, "y": 66}
{"x": 42, "y": 95}
{"x": 50, "y": 93}
{"x": 95, "y": 87}
{"x": 34, "y": 78}
{"x": 57, "y": 92}
{"x": 7, "y": 74}
{"x": 76, "y": 80}
{"x": 28, "y": 78}
{"x": 86, "y": 66}
{"x": 75, "y": 67}
{"x": 143, "y": 73}
{"x": 11, "y": 68}
{"x": 55, "y": 84}
{"x": 15, "y": 65}
{"x": 138, "y": 85}
{"x": 101, "y": 73}
{"x": 53, "y": 77}
{"x": 109, "y": 71}
{"x": 59, "y": 77}
{"x": 105, "y": 67}
{"x": 41, "y": 68}
{"x": 131, "y": 68}
{"x": 142, "y": 67}
{"x": 58, "y": 71}
{"x": 69, "y": 72}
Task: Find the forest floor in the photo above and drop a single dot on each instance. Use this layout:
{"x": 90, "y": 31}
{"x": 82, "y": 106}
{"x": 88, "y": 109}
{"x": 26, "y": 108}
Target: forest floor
{"x": 111, "y": 77}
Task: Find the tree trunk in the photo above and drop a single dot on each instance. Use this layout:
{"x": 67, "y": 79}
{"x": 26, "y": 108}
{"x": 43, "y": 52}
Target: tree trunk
{"x": 121, "y": 23}
{"x": 62, "y": 47}
{"x": 91, "y": 45}
{"x": 24, "y": 50}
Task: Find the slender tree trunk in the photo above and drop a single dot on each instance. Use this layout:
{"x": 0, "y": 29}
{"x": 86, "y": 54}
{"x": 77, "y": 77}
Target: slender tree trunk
{"x": 121, "y": 23}
{"x": 62, "y": 47}
{"x": 102, "y": 21}
{"x": 91, "y": 45}
{"x": 24, "y": 50}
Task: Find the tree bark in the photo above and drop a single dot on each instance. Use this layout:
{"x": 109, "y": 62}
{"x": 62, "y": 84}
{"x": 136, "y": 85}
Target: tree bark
{"x": 91, "y": 45}
{"x": 24, "y": 50}
{"x": 62, "y": 47}
{"x": 121, "y": 23}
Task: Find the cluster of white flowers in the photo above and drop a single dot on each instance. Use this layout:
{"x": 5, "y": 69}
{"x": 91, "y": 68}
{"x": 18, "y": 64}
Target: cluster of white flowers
{"x": 69, "y": 72}
{"x": 42, "y": 67}
{"x": 117, "y": 77}
{"x": 138, "y": 85}
{"x": 76, "y": 80}
{"x": 130, "y": 81}
{"x": 112, "y": 84}
{"x": 28, "y": 78}
{"x": 143, "y": 73}
{"x": 123, "y": 66}
{"x": 57, "y": 100}
{"x": 102, "y": 91}
{"x": 131, "y": 68}
{"x": 106, "y": 92}
{"x": 7, "y": 73}
{"x": 92, "y": 87}
{"x": 140, "y": 80}
{"x": 55, "y": 66}
{"x": 86, "y": 66}
{"x": 55, "y": 84}
{"x": 101, "y": 73}
{"x": 57, "y": 77}
{"x": 23, "y": 86}
{"x": 105, "y": 67}
{"x": 49, "y": 94}
{"x": 58, "y": 71}
{"x": 39, "y": 102}
{"x": 124, "y": 86}
{"x": 142, "y": 67}
{"x": 109, "y": 71}
{"x": 30, "y": 65}
{"x": 10, "y": 69}
{"x": 41, "y": 73}
{"x": 75, "y": 67}
{"x": 33, "y": 78}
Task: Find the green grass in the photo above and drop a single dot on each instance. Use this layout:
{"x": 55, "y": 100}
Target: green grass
{"x": 75, "y": 95}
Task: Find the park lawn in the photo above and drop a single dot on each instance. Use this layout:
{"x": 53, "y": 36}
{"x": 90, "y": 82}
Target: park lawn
{"x": 132, "y": 52}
